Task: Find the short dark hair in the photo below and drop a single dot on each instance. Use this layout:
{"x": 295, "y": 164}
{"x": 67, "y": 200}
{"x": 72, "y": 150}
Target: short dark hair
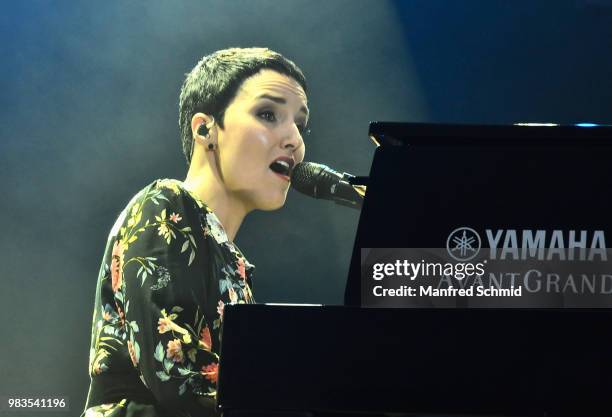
{"x": 213, "y": 83}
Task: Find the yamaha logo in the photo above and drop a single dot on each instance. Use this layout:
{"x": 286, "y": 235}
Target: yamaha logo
{"x": 463, "y": 244}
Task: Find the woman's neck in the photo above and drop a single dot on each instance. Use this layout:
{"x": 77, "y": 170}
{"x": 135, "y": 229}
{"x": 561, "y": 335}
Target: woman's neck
{"x": 209, "y": 188}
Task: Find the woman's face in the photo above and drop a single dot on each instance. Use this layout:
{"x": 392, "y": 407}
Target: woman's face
{"x": 262, "y": 138}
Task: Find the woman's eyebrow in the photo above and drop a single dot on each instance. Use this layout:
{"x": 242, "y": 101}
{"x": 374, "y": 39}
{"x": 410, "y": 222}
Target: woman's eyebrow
{"x": 281, "y": 100}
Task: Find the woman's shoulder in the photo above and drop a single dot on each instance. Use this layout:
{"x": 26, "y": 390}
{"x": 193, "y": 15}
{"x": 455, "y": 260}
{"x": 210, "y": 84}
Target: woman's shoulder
{"x": 175, "y": 190}
{"x": 166, "y": 192}
{"x": 162, "y": 197}
{"x": 169, "y": 199}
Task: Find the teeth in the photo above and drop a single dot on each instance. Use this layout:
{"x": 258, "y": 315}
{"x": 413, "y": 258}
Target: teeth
{"x": 283, "y": 163}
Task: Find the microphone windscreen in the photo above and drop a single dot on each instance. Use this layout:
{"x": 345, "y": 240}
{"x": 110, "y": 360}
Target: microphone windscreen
{"x": 304, "y": 177}
{"x": 320, "y": 181}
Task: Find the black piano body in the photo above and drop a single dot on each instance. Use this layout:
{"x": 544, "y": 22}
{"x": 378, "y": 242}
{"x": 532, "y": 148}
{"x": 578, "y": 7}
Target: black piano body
{"x": 425, "y": 181}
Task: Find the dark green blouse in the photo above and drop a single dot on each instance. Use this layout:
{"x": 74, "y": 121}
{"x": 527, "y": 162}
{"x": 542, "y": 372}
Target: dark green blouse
{"x": 167, "y": 272}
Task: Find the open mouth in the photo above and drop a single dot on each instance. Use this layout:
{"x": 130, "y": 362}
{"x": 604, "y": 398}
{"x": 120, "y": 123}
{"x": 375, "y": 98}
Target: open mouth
{"x": 282, "y": 167}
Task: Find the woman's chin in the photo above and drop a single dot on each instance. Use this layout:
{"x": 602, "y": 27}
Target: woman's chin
{"x": 272, "y": 203}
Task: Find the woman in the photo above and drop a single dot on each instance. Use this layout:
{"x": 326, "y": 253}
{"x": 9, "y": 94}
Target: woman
{"x": 170, "y": 264}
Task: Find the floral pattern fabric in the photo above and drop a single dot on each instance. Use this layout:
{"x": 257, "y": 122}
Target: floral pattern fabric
{"x": 168, "y": 271}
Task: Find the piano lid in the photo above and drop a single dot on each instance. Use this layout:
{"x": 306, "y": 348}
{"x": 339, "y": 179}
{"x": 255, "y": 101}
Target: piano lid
{"x": 428, "y": 180}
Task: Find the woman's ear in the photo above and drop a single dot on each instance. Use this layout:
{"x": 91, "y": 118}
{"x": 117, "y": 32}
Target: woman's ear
{"x": 201, "y": 124}
{"x": 202, "y": 130}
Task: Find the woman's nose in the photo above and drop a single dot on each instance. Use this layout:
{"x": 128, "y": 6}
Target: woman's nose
{"x": 293, "y": 138}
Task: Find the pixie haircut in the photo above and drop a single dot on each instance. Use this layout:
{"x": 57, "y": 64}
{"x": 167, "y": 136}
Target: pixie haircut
{"x": 213, "y": 83}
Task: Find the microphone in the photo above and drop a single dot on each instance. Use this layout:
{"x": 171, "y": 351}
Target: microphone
{"x": 320, "y": 181}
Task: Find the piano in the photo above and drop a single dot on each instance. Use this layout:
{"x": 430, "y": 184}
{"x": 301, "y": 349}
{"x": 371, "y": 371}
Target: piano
{"x": 545, "y": 355}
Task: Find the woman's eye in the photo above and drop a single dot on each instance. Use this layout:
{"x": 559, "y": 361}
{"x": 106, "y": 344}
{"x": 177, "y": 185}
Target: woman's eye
{"x": 267, "y": 115}
{"x": 303, "y": 129}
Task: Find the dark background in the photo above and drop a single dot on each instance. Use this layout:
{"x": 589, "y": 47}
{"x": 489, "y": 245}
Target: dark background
{"x": 89, "y": 93}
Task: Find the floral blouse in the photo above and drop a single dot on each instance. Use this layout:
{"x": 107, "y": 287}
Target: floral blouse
{"x": 167, "y": 272}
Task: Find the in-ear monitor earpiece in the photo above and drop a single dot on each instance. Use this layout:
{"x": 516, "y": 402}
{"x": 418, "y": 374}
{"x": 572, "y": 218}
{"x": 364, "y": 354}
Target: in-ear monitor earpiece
{"x": 202, "y": 130}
